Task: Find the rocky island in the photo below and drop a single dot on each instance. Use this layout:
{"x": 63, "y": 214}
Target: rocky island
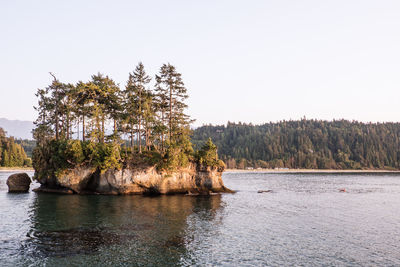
{"x": 57, "y": 174}
{"x": 93, "y": 137}
{"x": 86, "y": 180}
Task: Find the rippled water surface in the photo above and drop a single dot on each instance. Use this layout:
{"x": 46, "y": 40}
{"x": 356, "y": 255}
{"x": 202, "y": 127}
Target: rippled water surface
{"x": 305, "y": 221}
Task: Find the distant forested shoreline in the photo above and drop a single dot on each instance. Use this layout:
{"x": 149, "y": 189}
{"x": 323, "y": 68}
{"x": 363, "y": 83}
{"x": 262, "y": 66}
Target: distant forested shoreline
{"x": 12, "y": 154}
{"x": 301, "y": 144}
{"x": 305, "y": 144}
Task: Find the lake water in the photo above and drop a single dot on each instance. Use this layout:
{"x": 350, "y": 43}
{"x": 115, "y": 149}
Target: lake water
{"x": 305, "y": 221}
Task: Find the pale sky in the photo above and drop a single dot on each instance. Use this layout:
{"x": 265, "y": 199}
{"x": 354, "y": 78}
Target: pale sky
{"x": 249, "y": 61}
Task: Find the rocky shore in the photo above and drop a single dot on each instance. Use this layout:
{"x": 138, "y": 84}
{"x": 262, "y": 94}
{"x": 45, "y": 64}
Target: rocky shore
{"x": 145, "y": 180}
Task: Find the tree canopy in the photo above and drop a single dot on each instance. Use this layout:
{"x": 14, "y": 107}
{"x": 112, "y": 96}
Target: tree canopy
{"x": 11, "y": 153}
{"x": 311, "y": 144}
{"x": 84, "y": 111}
{"x": 98, "y": 123}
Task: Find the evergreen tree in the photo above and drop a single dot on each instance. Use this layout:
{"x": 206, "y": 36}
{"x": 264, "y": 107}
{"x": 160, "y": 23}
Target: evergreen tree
{"x": 82, "y": 106}
{"x": 172, "y": 93}
{"x": 137, "y": 97}
{"x": 98, "y": 103}
{"x": 306, "y": 144}
{"x": 11, "y": 153}
{"x": 107, "y": 98}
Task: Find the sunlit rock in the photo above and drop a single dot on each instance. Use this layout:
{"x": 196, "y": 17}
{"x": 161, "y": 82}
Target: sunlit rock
{"x": 146, "y": 180}
{"x": 18, "y": 182}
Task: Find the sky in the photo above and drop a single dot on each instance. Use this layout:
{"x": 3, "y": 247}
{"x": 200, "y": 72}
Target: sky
{"x": 249, "y": 61}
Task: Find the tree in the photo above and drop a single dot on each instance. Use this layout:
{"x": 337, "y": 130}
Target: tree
{"x": 171, "y": 92}
{"x": 148, "y": 116}
{"x": 81, "y": 104}
{"x": 99, "y": 103}
{"x": 137, "y": 97}
{"x": 107, "y": 98}
{"x": 43, "y": 131}
{"x": 11, "y": 153}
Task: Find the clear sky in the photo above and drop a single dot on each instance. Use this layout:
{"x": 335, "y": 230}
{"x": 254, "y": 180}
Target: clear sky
{"x": 251, "y": 61}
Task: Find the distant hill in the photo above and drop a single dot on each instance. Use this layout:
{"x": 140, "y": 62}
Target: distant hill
{"x": 16, "y": 128}
{"x": 310, "y": 144}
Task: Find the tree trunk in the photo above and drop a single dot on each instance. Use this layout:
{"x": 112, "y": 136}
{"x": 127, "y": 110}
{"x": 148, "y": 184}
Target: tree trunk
{"x": 140, "y": 119}
{"x": 57, "y": 127}
{"x": 162, "y": 133}
{"x": 131, "y": 138}
{"x": 83, "y": 128}
{"x": 78, "y": 128}
{"x": 115, "y": 129}
{"x": 102, "y": 128}
{"x": 170, "y": 112}
{"x": 62, "y": 126}
{"x": 140, "y": 136}
{"x": 56, "y": 111}
{"x": 146, "y": 139}
{"x": 67, "y": 127}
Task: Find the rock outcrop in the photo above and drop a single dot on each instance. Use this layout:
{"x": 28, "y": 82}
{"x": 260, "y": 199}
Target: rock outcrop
{"x": 145, "y": 180}
{"x": 18, "y": 183}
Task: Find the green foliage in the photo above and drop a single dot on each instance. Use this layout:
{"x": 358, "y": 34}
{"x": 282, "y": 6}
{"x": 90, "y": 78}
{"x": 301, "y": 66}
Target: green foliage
{"x": 207, "y": 156}
{"x": 74, "y": 151}
{"x": 53, "y": 158}
{"x": 179, "y": 154}
{"x": 155, "y": 121}
{"x": 28, "y": 145}
{"x": 306, "y": 144}
{"x": 12, "y": 154}
{"x": 110, "y": 156}
{"x": 57, "y": 155}
{"x": 171, "y": 94}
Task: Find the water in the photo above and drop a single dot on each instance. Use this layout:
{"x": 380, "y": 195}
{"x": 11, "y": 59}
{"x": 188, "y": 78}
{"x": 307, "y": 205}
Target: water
{"x": 305, "y": 221}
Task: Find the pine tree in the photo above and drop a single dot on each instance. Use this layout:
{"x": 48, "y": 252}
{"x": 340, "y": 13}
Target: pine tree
{"x": 130, "y": 108}
{"x": 107, "y": 98}
{"x": 149, "y": 118}
{"x": 55, "y": 105}
{"x": 5, "y": 159}
{"x": 137, "y": 97}
{"x": 171, "y": 91}
{"x": 81, "y": 104}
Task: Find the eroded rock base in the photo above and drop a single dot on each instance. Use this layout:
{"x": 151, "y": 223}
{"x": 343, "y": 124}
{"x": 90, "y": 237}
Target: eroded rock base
{"x": 85, "y": 180}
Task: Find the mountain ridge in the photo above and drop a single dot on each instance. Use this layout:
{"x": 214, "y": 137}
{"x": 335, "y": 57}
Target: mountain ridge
{"x": 17, "y": 128}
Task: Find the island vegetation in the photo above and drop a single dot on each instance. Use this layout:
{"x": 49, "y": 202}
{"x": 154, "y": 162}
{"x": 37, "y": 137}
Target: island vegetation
{"x": 306, "y": 144}
{"x": 99, "y": 124}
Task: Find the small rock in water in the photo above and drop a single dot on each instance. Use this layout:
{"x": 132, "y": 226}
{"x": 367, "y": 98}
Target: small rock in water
{"x": 264, "y": 191}
{"x": 18, "y": 182}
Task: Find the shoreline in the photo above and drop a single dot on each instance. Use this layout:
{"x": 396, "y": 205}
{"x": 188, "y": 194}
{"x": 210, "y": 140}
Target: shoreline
{"x": 11, "y": 169}
{"x": 308, "y": 171}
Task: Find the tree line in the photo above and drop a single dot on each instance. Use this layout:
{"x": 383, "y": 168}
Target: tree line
{"x": 311, "y": 144}
{"x": 11, "y": 153}
{"x": 152, "y": 116}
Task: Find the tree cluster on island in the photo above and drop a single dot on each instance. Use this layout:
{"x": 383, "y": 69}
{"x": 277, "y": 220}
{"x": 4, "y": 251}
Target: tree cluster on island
{"x": 306, "y": 144}
{"x": 101, "y": 124}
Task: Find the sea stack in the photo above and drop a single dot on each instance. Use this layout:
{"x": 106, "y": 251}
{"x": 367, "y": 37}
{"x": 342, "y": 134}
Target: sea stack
{"x": 147, "y": 180}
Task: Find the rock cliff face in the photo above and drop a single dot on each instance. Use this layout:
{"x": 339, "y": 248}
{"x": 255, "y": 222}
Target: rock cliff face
{"x": 193, "y": 179}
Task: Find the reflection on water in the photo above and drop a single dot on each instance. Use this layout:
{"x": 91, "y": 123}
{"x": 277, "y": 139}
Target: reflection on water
{"x": 306, "y": 221}
{"x": 112, "y": 229}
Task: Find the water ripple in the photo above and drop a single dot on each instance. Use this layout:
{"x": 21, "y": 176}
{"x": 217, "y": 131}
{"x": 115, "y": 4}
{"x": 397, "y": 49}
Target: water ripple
{"x": 308, "y": 220}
